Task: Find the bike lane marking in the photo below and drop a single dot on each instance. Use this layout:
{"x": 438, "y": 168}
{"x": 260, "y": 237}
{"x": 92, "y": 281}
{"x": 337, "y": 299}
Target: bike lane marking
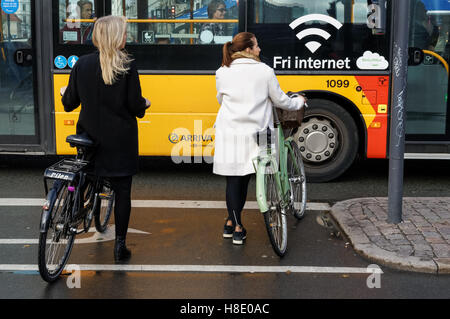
{"x": 203, "y": 268}
{"x": 179, "y": 204}
{"x": 97, "y": 237}
{"x": 162, "y": 204}
{"x": 175, "y": 268}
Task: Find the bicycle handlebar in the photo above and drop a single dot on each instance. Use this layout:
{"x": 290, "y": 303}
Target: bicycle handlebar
{"x": 297, "y": 94}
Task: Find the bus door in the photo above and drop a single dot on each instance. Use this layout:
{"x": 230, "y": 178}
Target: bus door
{"x": 427, "y": 109}
{"x": 18, "y": 111}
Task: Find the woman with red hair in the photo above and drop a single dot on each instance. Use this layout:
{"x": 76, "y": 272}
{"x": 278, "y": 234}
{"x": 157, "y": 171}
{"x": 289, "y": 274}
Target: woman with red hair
{"x": 247, "y": 89}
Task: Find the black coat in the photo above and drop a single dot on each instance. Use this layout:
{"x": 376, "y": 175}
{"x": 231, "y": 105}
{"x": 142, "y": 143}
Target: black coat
{"x": 108, "y": 114}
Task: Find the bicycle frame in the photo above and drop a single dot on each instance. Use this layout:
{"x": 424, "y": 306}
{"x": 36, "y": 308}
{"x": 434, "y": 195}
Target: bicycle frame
{"x": 280, "y": 172}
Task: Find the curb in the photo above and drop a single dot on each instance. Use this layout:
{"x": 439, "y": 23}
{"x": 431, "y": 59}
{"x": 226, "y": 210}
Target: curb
{"x": 368, "y": 249}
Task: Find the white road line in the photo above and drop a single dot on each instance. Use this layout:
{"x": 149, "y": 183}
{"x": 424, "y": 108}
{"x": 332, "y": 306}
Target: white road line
{"x": 21, "y": 201}
{"x": 20, "y": 241}
{"x": 97, "y": 237}
{"x": 161, "y": 204}
{"x": 204, "y": 268}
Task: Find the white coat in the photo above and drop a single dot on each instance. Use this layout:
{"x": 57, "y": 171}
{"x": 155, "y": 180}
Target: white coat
{"x": 246, "y": 92}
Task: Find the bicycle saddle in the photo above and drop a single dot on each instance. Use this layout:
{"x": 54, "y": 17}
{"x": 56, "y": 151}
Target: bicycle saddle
{"x": 79, "y": 141}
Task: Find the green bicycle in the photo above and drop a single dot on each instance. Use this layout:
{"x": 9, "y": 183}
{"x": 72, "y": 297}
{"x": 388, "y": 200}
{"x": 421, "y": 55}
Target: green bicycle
{"x": 280, "y": 184}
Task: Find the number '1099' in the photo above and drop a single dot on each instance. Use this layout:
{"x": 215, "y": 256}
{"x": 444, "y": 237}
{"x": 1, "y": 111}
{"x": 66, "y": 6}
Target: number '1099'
{"x": 338, "y": 83}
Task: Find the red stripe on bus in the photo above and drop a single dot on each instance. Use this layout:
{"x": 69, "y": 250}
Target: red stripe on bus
{"x": 376, "y": 91}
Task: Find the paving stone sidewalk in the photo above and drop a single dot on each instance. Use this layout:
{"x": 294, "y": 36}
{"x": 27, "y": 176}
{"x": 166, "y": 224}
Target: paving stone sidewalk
{"x": 421, "y": 242}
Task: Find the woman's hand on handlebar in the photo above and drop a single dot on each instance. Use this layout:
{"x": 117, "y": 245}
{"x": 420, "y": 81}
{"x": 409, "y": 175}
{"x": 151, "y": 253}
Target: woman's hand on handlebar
{"x": 62, "y": 90}
{"x": 304, "y": 99}
{"x": 147, "y": 103}
{"x": 297, "y": 95}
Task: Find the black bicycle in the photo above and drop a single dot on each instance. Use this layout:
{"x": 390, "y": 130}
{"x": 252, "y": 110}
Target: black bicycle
{"x": 75, "y": 198}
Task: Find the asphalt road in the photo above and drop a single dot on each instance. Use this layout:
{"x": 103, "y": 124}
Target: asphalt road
{"x": 366, "y": 178}
{"x": 192, "y": 238}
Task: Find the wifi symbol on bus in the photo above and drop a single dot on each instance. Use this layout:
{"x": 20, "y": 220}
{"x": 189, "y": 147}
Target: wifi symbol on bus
{"x": 314, "y": 45}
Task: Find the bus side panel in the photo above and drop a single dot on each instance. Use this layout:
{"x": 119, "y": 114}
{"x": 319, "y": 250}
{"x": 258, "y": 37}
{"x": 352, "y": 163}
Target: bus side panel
{"x": 184, "y": 109}
{"x": 65, "y": 123}
{"x": 179, "y": 122}
{"x": 376, "y": 93}
{"x": 367, "y": 93}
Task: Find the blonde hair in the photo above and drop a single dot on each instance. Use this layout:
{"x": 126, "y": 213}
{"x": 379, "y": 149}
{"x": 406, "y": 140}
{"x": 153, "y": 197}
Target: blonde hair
{"x": 108, "y": 38}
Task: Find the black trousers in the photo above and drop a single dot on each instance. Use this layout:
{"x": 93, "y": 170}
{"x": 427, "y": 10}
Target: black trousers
{"x": 236, "y": 195}
{"x": 122, "y": 209}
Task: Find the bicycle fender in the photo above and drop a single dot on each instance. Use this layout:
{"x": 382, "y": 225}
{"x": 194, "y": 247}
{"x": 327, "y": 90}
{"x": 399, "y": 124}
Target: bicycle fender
{"x": 46, "y": 211}
{"x": 260, "y": 181}
{"x": 45, "y": 218}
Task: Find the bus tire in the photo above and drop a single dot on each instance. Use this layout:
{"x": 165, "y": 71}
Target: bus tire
{"x": 328, "y": 140}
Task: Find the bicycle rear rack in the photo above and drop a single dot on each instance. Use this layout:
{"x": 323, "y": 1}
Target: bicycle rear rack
{"x": 66, "y": 170}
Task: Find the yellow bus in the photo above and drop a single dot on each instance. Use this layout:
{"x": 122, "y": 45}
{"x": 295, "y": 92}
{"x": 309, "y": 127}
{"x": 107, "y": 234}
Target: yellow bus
{"x": 339, "y": 52}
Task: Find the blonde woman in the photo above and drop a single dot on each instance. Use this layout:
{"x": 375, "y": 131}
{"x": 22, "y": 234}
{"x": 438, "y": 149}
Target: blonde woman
{"x": 106, "y": 83}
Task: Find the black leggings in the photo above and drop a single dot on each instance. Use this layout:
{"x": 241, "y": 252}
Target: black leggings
{"x": 236, "y": 195}
{"x": 122, "y": 209}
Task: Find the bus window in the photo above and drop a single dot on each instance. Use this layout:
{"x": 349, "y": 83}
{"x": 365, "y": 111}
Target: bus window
{"x": 17, "y": 107}
{"x": 426, "y": 108}
{"x": 179, "y": 22}
{"x": 360, "y": 12}
{"x": 345, "y": 35}
{"x": 80, "y": 30}
{"x": 272, "y": 11}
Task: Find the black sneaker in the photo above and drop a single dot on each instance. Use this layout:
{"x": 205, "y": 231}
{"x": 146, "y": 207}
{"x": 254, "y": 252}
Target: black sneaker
{"x": 228, "y": 231}
{"x": 238, "y": 237}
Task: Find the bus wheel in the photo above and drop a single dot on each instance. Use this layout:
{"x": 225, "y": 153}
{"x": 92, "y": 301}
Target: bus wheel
{"x": 327, "y": 139}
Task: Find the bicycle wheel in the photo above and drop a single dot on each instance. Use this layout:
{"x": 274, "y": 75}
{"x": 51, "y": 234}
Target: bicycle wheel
{"x": 275, "y": 217}
{"x": 105, "y": 204}
{"x": 55, "y": 244}
{"x": 297, "y": 180}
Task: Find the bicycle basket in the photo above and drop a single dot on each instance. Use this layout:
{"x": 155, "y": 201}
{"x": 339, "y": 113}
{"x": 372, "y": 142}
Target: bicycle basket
{"x": 290, "y": 119}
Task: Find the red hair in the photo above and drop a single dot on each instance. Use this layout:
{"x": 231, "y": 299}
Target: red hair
{"x": 241, "y": 41}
